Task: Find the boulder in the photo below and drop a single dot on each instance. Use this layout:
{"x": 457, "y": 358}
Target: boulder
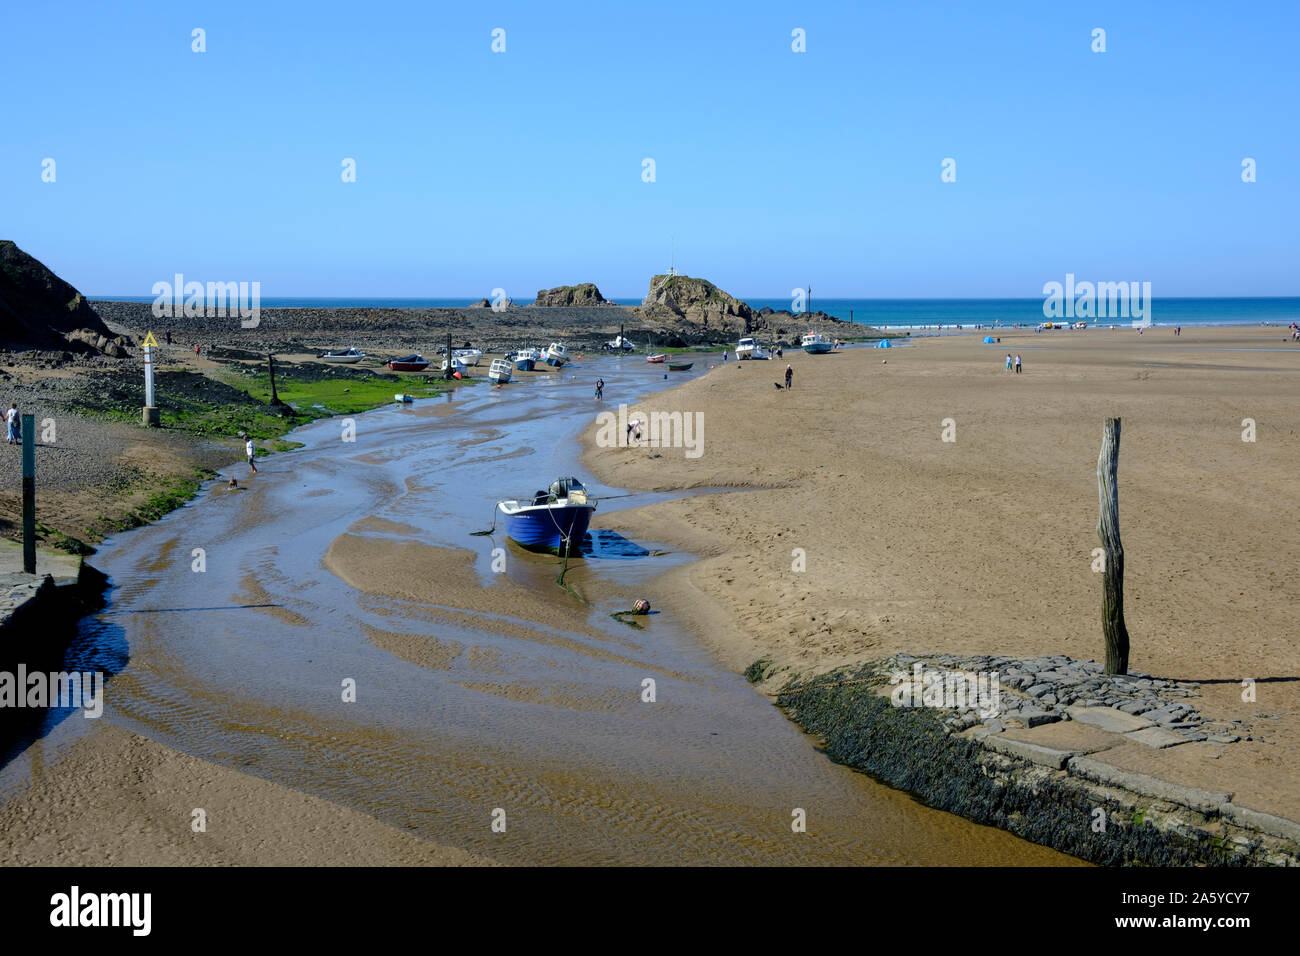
{"x": 37, "y": 308}
{"x": 569, "y": 296}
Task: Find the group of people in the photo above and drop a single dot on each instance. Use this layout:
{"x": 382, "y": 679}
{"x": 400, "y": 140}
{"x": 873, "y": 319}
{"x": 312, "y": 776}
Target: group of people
{"x": 1013, "y": 363}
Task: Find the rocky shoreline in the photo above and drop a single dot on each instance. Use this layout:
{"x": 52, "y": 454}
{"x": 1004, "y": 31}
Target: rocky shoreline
{"x": 985, "y": 759}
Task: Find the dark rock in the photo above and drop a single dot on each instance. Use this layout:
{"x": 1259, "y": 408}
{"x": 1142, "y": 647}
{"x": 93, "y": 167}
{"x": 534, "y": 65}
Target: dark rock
{"x": 37, "y": 308}
{"x": 569, "y": 296}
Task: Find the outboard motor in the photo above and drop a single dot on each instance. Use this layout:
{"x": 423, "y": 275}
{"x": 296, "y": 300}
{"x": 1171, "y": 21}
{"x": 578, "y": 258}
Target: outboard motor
{"x": 563, "y": 487}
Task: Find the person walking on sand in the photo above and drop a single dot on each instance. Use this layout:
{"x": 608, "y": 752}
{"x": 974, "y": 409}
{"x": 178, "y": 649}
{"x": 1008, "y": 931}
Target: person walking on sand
{"x": 600, "y": 389}
{"x": 11, "y": 420}
{"x": 1017, "y": 364}
{"x": 252, "y": 453}
{"x": 1008, "y": 361}
{"x": 789, "y": 376}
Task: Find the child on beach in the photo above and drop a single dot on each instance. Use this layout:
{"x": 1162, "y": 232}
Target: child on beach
{"x": 11, "y": 419}
{"x": 251, "y": 452}
{"x": 789, "y": 376}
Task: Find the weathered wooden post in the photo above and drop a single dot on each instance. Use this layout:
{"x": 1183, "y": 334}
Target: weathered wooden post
{"x": 29, "y": 494}
{"x": 449, "y": 369}
{"x": 270, "y": 364}
{"x": 1112, "y": 574}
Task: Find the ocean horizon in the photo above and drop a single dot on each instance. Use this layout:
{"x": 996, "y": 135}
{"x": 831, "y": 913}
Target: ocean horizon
{"x": 884, "y": 313}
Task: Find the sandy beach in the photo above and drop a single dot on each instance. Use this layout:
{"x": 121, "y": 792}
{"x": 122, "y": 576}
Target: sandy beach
{"x": 984, "y": 544}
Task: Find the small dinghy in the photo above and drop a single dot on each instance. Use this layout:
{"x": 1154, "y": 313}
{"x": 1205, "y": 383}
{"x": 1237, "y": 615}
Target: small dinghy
{"x": 412, "y": 363}
{"x": 657, "y": 359}
{"x": 403, "y": 398}
{"x": 679, "y": 366}
{"x": 554, "y": 520}
{"x": 343, "y": 356}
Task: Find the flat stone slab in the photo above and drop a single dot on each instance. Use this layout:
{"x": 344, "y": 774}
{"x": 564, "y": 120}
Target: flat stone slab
{"x": 1202, "y": 801}
{"x": 1157, "y": 737}
{"x": 1265, "y": 822}
{"x": 1109, "y": 718}
{"x": 1034, "y": 753}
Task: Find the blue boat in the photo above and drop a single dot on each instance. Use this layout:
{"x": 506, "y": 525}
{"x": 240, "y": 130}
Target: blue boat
{"x": 555, "y": 520}
{"x": 525, "y": 359}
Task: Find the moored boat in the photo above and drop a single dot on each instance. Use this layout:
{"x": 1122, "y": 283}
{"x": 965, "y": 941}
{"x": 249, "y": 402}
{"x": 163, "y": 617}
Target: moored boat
{"x": 618, "y": 344}
{"x": 557, "y": 354}
{"x": 814, "y": 343}
{"x": 679, "y": 366}
{"x": 499, "y": 371}
{"x": 411, "y": 363}
{"x": 457, "y": 365}
{"x": 343, "y": 356}
{"x": 657, "y": 358}
{"x": 747, "y": 348}
{"x": 525, "y": 359}
{"x": 554, "y": 520}
{"x": 468, "y": 356}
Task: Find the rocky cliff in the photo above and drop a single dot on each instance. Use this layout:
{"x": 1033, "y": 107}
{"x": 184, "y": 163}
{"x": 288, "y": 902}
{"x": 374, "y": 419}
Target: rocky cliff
{"x": 569, "y": 296}
{"x": 699, "y": 306}
{"x": 38, "y": 310}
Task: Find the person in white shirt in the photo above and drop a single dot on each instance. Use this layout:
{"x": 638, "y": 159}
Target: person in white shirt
{"x": 252, "y": 453}
{"x": 11, "y": 419}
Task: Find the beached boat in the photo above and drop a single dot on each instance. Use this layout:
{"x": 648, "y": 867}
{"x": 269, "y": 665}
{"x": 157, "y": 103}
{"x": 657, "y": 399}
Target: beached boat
{"x": 343, "y": 356}
{"x": 554, "y": 520}
{"x": 457, "y": 365}
{"x": 814, "y": 343}
{"x": 525, "y": 359}
{"x": 618, "y": 344}
{"x": 747, "y": 348}
{"x": 679, "y": 366}
{"x": 403, "y": 398}
{"x": 468, "y": 356}
{"x": 557, "y": 354}
{"x": 657, "y": 358}
{"x": 499, "y": 371}
{"x": 412, "y": 363}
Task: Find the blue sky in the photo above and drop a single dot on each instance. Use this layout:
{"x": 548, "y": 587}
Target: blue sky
{"x": 523, "y": 169}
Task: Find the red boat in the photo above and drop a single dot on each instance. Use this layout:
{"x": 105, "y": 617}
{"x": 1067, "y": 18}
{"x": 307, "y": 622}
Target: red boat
{"x": 412, "y": 363}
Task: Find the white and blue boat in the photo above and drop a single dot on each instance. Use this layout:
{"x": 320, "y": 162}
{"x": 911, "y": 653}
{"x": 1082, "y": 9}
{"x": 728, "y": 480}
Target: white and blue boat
{"x": 525, "y": 359}
{"x": 555, "y": 520}
{"x": 814, "y": 343}
{"x": 557, "y": 355}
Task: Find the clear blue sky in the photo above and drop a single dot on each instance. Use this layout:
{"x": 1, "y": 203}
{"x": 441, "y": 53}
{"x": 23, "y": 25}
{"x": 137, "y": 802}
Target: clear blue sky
{"x": 520, "y": 170}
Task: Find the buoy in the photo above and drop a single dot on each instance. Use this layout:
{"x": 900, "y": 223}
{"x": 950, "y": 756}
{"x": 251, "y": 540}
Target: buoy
{"x": 642, "y": 606}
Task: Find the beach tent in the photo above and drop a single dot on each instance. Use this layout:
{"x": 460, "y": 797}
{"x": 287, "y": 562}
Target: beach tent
{"x": 884, "y": 344}
{"x": 988, "y": 340}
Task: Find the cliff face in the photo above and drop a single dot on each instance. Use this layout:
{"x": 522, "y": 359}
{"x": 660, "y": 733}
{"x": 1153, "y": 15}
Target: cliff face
{"x": 37, "y": 308}
{"x": 700, "y": 304}
{"x": 568, "y": 296}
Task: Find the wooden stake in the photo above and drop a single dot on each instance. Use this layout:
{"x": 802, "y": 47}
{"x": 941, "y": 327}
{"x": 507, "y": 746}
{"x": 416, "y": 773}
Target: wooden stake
{"x": 29, "y": 493}
{"x": 1112, "y": 576}
{"x": 447, "y": 374}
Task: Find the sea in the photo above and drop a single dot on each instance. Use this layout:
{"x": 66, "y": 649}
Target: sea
{"x": 893, "y": 313}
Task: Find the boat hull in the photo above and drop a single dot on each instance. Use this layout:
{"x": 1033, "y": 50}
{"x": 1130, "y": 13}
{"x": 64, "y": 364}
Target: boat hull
{"x": 524, "y": 365}
{"x": 407, "y": 366}
{"x": 543, "y": 528}
{"x": 820, "y": 348}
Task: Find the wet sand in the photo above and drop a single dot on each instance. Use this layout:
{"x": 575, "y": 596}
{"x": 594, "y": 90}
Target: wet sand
{"x": 984, "y": 545}
{"x": 474, "y": 690}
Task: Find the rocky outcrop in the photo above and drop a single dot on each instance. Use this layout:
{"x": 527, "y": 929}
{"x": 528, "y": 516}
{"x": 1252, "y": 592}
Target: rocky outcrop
{"x": 38, "y": 310}
{"x": 714, "y": 314}
{"x": 569, "y": 296}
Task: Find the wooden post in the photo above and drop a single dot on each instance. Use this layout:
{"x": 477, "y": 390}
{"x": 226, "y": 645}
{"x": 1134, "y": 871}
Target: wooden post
{"x": 270, "y": 364}
{"x": 447, "y": 373}
{"x": 29, "y": 494}
{"x": 1112, "y": 576}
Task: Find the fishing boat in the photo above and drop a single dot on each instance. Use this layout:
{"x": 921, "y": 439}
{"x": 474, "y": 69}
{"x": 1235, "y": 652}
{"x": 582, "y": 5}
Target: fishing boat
{"x": 557, "y": 354}
{"x": 618, "y": 344}
{"x": 657, "y": 358}
{"x": 468, "y": 356}
{"x": 679, "y": 366}
{"x": 412, "y": 363}
{"x": 814, "y": 343}
{"x": 525, "y": 359}
{"x": 747, "y": 348}
{"x": 554, "y": 520}
{"x": 343, "y": 356}
{"x": 457, "y": 365}
{"x": 500, "y": 371}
